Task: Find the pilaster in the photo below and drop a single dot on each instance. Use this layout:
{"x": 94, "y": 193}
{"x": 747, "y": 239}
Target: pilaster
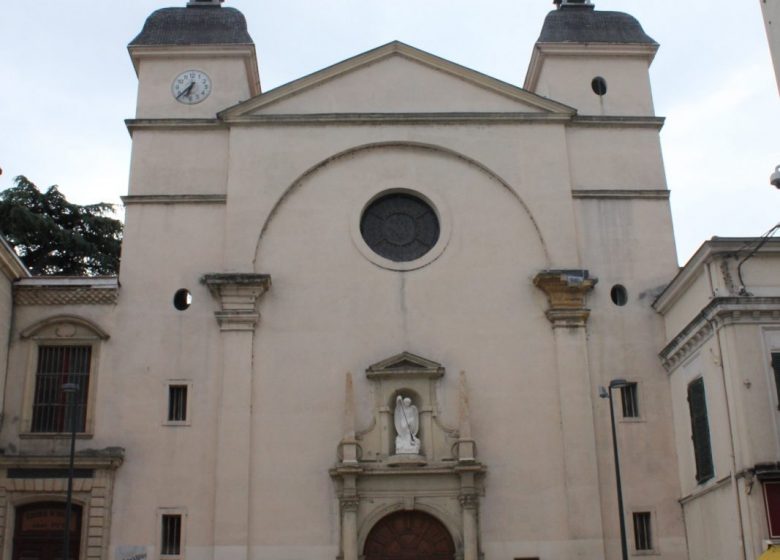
{"x": 566, "y": 291}
{"x": 238, "y": 296}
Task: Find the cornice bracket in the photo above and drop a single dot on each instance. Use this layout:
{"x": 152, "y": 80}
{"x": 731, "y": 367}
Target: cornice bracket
{"x": 238, "y": 295}
{"x": 566, "y": 290}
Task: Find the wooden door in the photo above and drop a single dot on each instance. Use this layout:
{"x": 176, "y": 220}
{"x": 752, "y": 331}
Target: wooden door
{"x": 40, "y": 530}
{"x": 409, "y": 535}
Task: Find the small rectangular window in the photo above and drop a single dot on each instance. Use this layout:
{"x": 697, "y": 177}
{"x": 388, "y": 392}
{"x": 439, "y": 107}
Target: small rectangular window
{"x": 177, "y": 403}
{"x": 700, "y": 430}
{"x": 170, "y": 541}
{"x": 630, "y": 398}
{"x": 776, "y": 368}
{"x": 643, "y": 533}
{"x": 58, "y": 365}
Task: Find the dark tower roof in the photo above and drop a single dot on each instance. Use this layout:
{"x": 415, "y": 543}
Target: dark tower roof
{"x": 194, "y": 25}
{"x": 580, "y": 23}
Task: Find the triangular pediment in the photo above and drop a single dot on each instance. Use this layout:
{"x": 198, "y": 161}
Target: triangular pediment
{"x": 405, "y": 363}
{"x": 395, "y": 78}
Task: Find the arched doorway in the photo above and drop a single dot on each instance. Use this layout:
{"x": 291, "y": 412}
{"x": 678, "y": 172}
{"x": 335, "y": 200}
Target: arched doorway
{"x": 39, "y": 531}
{"x": 409, "y": 535}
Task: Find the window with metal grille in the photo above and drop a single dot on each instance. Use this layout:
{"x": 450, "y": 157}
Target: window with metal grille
{"x": 170, "y": 541}
{"x": 700, "y": 430}
{"x": 643, "y": 533}
{"x": 177, "y": 403}
{"x": 58, "y": 365}
{"x": 776, "y": 368}
{"x": 630, "y": 398}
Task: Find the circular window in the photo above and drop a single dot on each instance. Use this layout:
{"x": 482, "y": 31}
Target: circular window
{"x": 399, "y": 227}
{"x": 599, "y": 85}
{"x": 619, "y": 295}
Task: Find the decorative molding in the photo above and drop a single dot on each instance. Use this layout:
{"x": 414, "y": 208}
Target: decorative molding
{"x": 403, "y": 365}
{"x": 620, "y": 194}
{"x": 723, "y": 311}
{"x": 401, "y": 118}
{"x": 614, "y": 121}
{"x": 174, "y": 199}
{"x": 238, "y": 294}
{"x": 469, "y": 501}
{"x": 110, "y": 458}
{"x": 566, "y": 291}
{"x": 26, "y": 292}
{"x": 349, "y": 503}
{"x": 152, "y": 124}
{"x": 86, "y": 324}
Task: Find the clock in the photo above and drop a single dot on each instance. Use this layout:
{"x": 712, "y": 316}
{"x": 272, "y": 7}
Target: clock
{"x": 191, "y": 87}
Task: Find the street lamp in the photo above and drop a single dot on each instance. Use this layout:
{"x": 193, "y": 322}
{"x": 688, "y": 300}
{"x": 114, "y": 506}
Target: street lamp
{"x": 607, "y": 394}
{"x": 70, "y": 389}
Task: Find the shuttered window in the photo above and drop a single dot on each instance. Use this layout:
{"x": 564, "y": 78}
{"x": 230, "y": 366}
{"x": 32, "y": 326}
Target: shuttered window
{"x": 170, "y": 542}
{"x": 643, "y": 535}
{"x": 630, "y": 398}
{"x": 776, "y": 368}
{"x": 58, "y": 365}
{"x": 700, "y": 430}
{"x": 177, "y": 403}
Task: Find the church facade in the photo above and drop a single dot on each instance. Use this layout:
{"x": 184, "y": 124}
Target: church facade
{"x": 364, "y": 315}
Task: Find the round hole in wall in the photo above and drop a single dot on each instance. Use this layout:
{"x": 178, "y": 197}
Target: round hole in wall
{"x": 599, "y": 85}
{"x": 619, "y": 295}
{"x": 182, "y": 299}
{"x": 400, "y": 226}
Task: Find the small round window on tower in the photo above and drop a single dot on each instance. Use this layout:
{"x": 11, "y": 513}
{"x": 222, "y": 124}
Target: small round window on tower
{"x": 619, "y": 295}
{"x": 182, "y": 299}
{"x": 599, "y": 85}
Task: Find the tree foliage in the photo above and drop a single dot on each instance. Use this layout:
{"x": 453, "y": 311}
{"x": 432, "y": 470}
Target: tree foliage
{"x": 54, "y": 236}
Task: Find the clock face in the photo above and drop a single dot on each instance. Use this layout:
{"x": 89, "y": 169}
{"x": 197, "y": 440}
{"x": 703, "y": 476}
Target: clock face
{"x": 190, "y": 87}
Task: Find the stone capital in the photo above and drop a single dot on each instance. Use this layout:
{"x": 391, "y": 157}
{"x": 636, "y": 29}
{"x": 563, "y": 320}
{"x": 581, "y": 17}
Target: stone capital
{"x": 566, "y": 291}
{"x": 238, "y": 294}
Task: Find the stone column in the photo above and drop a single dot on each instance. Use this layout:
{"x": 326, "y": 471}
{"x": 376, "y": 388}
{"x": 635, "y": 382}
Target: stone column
{"x": 238, "y": 295}
{"x": 566, "y": 291}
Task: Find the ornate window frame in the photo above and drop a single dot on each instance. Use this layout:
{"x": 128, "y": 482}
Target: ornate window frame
{"x": 60, "y": 330}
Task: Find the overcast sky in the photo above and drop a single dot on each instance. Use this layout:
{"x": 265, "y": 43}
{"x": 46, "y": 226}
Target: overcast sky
{"x": 68, "y": 84}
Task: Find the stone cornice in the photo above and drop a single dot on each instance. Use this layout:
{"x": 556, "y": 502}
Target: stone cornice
{"x": 657, "y": 194}
{"x": 174, "y": 199}
{"x": 421, "y": 118}
{"x": 109, "y": 458}
{"x": 566, "y": 291}
{"x": 168, "y": 124}
{"x": 238, "y": 294}
{"x": 618, "y": 121}
{"x": 66, "y": 291}
{"x": 722, "y": 311}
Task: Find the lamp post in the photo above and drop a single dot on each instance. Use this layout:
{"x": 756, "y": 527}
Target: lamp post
{"x": 70, "y": 390}
{"x": 607, "y": 394}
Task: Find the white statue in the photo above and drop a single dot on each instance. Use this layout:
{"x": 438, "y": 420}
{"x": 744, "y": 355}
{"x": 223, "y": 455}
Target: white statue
{"x": 407, "y": 424}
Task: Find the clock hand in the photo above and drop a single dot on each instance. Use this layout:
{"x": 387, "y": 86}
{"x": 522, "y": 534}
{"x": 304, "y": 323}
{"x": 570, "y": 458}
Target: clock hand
{"x": 186, "y": 92}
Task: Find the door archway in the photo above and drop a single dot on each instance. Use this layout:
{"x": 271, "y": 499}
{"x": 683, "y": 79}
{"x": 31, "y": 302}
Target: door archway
{"x": 409, "y": 535}
{"x": 39, "y": 531}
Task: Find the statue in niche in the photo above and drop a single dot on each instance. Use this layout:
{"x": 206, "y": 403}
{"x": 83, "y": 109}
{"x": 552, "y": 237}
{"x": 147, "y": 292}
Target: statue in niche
{"x": 407, "y": 424}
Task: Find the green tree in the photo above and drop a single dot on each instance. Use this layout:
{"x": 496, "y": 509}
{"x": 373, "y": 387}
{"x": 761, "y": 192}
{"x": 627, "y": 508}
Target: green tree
{"x": 54, "y": 236}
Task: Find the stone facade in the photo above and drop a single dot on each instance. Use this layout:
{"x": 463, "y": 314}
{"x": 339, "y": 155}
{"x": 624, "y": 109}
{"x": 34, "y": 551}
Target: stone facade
{"x": 250, "y": 291}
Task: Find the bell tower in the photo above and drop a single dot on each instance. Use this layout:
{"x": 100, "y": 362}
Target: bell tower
{"x": 595, "y": 61}
{"x": 194, "y": 61}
